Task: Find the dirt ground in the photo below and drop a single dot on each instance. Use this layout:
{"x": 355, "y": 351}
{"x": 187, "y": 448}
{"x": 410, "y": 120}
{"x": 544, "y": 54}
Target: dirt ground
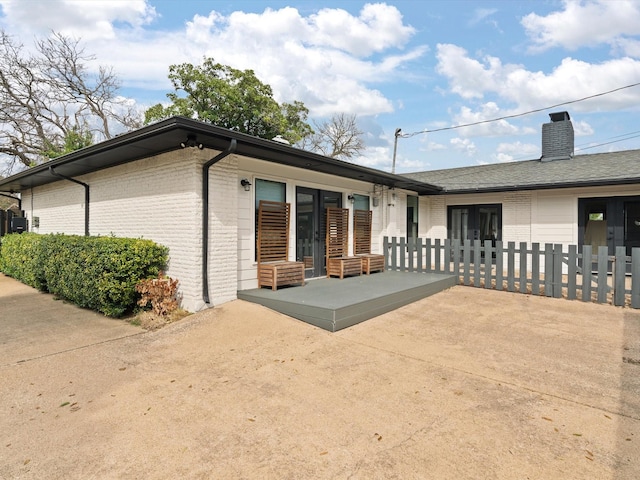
{"x": 466, "y": 384}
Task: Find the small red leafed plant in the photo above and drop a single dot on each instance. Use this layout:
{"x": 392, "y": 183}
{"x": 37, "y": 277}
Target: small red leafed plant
{"x": 161, "y": 293}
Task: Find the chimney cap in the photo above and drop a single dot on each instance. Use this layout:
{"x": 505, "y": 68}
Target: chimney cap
{"x": 559, "y": 116}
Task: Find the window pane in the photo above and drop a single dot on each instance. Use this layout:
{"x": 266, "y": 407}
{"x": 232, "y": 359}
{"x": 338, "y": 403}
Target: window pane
{"x": 268, "y": 190}
{"x": 412, "y": 216}
{"x": 361, "y": 202}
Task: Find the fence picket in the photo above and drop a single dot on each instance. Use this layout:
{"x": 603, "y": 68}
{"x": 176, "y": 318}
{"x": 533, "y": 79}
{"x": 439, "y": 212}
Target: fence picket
{"x": 620, "y": 271}
{"x": 499, "y": 266}
{"x": 535, "y": 269}
{"x": 572, "y": 271}
{"x": 487, "y": 263}
{"x": 548, "y": 270}
{"x": 603, "y": 260}
{"x": 456, "y": 257}
{"x": 511, "y": 268}
{"x": 557, "y": 271}
{"x": 467, "y": 262}
{"x": 410, "y": 253}
{"x": 477, "y": 262}
{"x": 587, "y": 262}
{"x": 635, "y": 277}
{"x": 523, "y": 267}
{"x": 447, "y": 255}
{"x": 419, "y": 255}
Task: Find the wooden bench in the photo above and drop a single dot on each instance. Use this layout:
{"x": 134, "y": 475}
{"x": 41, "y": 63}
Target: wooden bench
{"x": 274, "y": 268}
{"x": 371, "y": 262}
{"x": 339, "y": 264}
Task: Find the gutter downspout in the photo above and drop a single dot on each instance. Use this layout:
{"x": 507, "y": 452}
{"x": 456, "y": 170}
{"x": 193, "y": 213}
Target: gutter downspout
{"x": 86, "y": 197}
{"x": 13, "y": 198}
{"x": 205, "y": 216}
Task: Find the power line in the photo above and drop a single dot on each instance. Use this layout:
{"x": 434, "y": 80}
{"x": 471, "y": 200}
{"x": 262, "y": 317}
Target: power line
{"x": 408, "y": 135}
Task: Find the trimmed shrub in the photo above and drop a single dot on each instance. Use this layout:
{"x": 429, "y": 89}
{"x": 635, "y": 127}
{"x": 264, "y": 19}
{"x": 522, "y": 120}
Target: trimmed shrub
{"x": 100, "y": 273}
{"x": 21, "y": 258}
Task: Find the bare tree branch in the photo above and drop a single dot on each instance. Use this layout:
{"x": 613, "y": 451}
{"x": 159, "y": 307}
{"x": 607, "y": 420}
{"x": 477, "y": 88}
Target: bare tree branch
{"x": 49, "y": 101}
{"x": 339, "y": 137}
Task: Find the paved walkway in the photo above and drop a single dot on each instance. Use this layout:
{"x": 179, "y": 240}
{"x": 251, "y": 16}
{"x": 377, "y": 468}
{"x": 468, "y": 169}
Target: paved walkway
{"x": 465, "y": 384}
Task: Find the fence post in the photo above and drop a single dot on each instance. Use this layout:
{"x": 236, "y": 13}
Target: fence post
{"x": 557, "y": 271}
{"x": 511, "y": 267}
{"x": 535, "y": 268}
{"x": 572, "y": 271}
{"x": 635, "y": 277}
{"x": 587, "y": 261}
{"x": 499, "y": 265}
{"x": 619, "y": 270}
{"x": 548, "y": 270}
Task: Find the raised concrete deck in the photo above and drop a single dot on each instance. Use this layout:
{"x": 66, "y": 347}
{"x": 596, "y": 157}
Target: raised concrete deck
{"x": 334, "y": 304}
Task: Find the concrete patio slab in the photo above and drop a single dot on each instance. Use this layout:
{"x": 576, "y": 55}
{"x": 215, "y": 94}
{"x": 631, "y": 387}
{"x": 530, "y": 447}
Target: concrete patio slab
{"x": 465, "y": 384}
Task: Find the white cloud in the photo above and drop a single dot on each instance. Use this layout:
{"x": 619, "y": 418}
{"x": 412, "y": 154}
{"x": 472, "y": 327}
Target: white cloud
{"x": 528, "y": 90}
{"x": 582, "y": 129}
{"x": 584, "y": 23}
{"x": 488, "y": 111}
{"x": 508, "y": 152}
{"x": 464, "y": 145}
{"x": 329, "y": 59}
{"x": 76, "y": 18}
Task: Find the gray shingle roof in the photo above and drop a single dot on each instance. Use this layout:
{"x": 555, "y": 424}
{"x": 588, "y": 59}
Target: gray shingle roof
{"x": 582, "y": 170}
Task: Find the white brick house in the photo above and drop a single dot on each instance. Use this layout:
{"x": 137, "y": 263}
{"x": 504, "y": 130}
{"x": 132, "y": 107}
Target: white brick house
{"x": 194, "y": 187}
{"x": 146, "y": 184}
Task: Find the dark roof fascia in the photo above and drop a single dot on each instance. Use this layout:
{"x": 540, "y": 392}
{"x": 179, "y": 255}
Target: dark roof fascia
{"x": 210, "y": 136}
{"x": 542, "y": 186}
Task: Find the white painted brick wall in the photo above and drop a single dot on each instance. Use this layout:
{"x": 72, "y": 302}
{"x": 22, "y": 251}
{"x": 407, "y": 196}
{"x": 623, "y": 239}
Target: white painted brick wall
{"x": 158, "y": 198}
{"x": 516, "y": 217}
{"x": 223, "y": 230}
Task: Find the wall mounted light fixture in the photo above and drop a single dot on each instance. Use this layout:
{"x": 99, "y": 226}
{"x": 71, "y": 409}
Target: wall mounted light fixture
{"x": 246, "y": 184}
{"x": 191, "y": 141}
{"x": 351, "y": 198}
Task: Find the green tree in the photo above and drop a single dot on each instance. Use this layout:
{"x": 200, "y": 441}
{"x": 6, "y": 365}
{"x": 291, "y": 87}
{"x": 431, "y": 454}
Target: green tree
{"x": 231, "y": 98}
{"x": 74, "y": 139}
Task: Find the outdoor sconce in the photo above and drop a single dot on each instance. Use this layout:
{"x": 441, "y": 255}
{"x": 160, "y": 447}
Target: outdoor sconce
{"x": 191, "y": 141}
{"x": 246, "y": 184}
{"x": 351, "y": 198}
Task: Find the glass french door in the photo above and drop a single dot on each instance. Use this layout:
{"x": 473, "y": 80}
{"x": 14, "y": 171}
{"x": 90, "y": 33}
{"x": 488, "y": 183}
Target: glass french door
{"x": 611, "y": 222}
{"x": 311, "y": 205}
{"x": 475, "y": 222}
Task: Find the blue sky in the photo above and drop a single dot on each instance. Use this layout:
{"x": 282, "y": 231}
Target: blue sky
{"x": 414, "y": 65}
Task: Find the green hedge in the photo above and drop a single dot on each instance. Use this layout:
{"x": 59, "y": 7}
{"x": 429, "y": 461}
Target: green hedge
{"x": 93, "y": 272}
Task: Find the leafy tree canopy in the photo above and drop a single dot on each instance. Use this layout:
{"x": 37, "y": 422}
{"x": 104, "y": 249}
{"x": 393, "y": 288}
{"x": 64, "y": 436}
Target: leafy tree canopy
{"x": 233, "y": 99}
